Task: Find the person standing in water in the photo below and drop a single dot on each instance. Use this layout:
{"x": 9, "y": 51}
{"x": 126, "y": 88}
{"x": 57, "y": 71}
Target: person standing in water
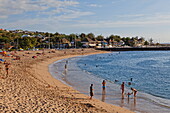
{"x": 65, "y": 66}
{"x": 104, "y": 84}
{"x": 91, "y": 91}
{"x": 134, "y": 91}
{"x": 123, "y": 87}
{"x": 66, "y": 61}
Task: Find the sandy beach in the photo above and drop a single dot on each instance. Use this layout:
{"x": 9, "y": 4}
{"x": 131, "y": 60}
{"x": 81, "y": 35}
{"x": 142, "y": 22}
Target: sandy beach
{"x": 29, "y": 87}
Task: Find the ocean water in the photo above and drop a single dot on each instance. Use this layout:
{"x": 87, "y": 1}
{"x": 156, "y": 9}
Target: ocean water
{"x": 149, "y": 70}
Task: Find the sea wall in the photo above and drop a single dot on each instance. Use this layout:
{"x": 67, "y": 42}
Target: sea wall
{"x": 135, "y": 49}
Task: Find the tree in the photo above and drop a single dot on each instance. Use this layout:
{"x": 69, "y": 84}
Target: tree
{"x": 72, "y": 37}
{"x": 83, "y": 37}
{"x": 146, "y": 43}
{"x": 115, "y": 38}
{"x": 100, "y": 38}
{"x": 91, "y": 36}
{"x": 4, "y": 39}
{"x": 151, "y": 41}
{"x": 27, "y": 42}
{"x": 126, "y": 40}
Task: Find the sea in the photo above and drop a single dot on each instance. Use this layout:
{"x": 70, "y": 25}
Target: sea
{"x": 146, "y": 71}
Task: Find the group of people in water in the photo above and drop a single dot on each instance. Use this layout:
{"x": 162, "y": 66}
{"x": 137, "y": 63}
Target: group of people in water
{"x": 134, "y": 91}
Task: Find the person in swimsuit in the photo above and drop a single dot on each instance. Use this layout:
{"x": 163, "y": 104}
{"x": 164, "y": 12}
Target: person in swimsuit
{"x": 123, "y": 87}
{"x": 91, "y": 91}
{"x": 7, "y": 67}
{"x": 134, "y": 91}
{"x": 104, "y": 84}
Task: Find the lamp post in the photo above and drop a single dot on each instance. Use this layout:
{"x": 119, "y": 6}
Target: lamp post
{"x": 75, "y": 41}
{"x": 17, "y": 43}
{"x": 76, "y": 36}
{"x": 49, "y": 42}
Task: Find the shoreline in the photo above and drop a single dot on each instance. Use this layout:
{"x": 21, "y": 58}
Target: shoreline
{"x": 33, "y": 89}
{"x": 112, "y": 96}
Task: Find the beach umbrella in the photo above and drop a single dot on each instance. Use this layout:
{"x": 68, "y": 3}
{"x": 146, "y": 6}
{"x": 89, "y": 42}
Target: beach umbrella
{"x": 4, "y": 52}
{"x": 2, "y": 60}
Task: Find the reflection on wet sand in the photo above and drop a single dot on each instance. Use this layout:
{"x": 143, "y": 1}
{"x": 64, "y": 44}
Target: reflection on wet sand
{"x": 103, "y": 95}
{"x": 122, "y": 101}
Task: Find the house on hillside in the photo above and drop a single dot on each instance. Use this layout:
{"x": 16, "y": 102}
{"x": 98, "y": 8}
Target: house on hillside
{"x": 41, "y": 37}
{"x": 113, "y": 43}
{"x": 140, "y": 42}
{"x": 101, "y": 43}
{"x": 136, "y": 42}
{"x": 25, "y": 36}
{"x": 89, "y": 42}
{"x": 63, "y": 43}
{"x": 76, "y": 43}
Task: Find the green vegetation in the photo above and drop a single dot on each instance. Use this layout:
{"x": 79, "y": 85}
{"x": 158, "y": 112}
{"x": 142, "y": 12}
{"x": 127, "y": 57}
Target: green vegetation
{"x": 29, "y": 40}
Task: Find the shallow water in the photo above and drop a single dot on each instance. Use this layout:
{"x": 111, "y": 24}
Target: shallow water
{"x": 149, "y": 70}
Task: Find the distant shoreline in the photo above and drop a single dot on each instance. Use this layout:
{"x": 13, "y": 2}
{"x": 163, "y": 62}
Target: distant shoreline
{"x": 135, "y": 49}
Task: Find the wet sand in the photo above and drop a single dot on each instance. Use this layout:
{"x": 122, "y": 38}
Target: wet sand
{"x": 30, "y": 88}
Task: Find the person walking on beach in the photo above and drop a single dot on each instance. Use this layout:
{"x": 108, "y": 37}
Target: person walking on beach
{"x": 91, "y": 91}
{"x": 7, "y": 67}
{"x": 104, "y": 84}
{"x": 123, "y": 87}
{"x": 134, "y": 91}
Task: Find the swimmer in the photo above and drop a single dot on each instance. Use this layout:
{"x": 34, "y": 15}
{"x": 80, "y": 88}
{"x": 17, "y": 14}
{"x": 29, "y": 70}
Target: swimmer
{"x": 116, "y": 81}
{"x": 129, "y": 83}
{"x": 131, "y": 79}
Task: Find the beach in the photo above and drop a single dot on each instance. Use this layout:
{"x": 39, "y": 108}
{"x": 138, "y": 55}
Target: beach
{"x": 30, "y": 88}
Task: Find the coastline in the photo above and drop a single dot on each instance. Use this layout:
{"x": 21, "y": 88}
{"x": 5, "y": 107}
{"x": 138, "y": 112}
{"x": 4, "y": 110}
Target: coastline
{"x": 33, "y": 89}
{"x": 86, "y": 65}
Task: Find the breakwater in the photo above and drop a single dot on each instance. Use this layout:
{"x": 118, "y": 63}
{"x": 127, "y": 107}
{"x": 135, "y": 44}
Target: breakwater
{"x": 135, "y": 49}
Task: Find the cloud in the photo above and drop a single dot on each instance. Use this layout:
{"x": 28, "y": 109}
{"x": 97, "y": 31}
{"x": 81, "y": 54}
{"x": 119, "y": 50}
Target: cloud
{"x": 95, "y": 5}
{"x": 49, "y": 23}
{"x": 117, "y": 1}
{"x": 74, "y": 14}
{"x": 3, "y": 17}
{"x": 131, "y": 15}
{"x": 67, "y": 21}
{"x": 58, "y": 3}
{"x": 149, "y": 20}
{"x": 13, "y": 7}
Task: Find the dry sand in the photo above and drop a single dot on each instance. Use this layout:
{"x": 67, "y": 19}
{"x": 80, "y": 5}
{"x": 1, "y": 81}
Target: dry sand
{"x": 29, "y": 87}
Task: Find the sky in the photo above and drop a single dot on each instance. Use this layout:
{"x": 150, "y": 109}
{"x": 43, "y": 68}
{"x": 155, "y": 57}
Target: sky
{"x": 126, "y": 18}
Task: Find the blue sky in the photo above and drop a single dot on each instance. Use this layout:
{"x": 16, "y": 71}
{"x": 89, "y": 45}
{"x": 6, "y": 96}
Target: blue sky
{"x": 143, "y": 18}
